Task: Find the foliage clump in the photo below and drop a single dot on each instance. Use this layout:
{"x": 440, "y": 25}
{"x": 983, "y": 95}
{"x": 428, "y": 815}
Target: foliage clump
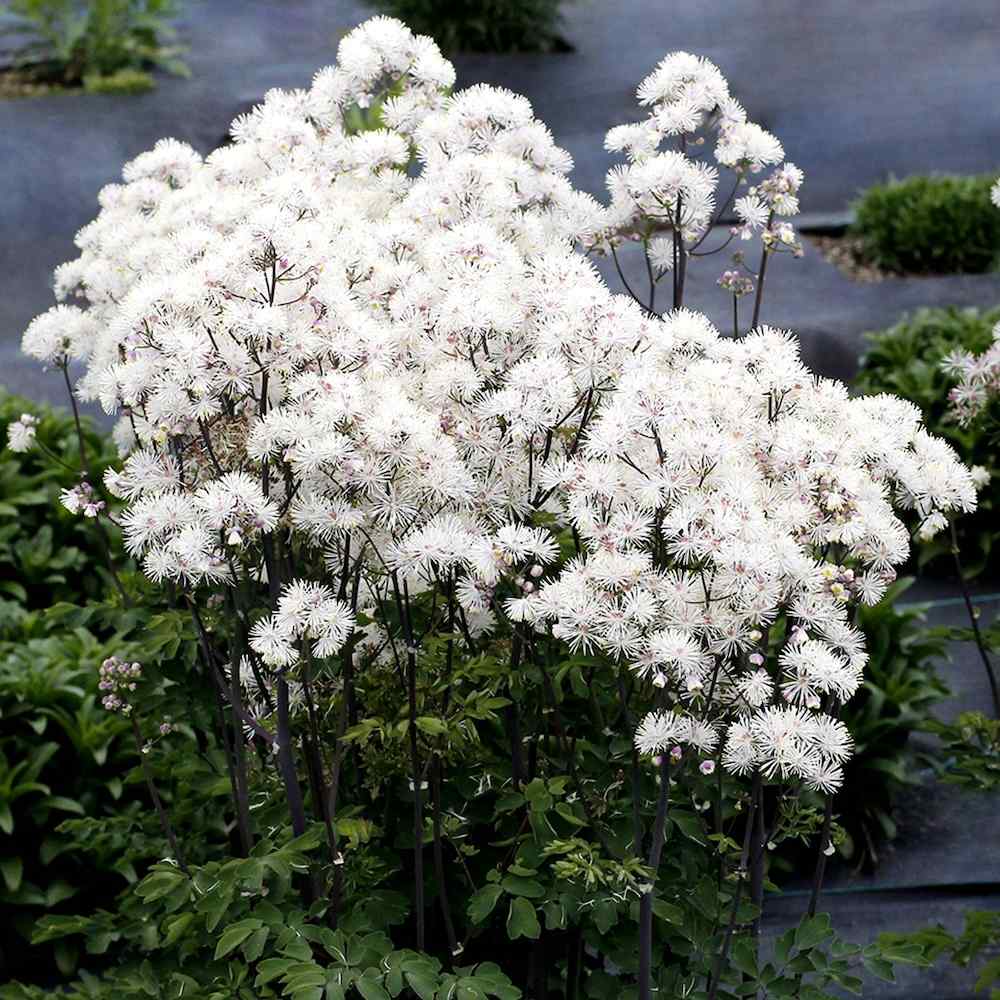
{"x": 105, "y": 46}
{"x": 929, "y": 225}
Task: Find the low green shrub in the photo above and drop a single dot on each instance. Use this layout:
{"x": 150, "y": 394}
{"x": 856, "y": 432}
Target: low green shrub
{"x": 481, "y": 25}
{"x": 926, "y": 225}
{"x": 76, "y": 828}
{"x": 906, "y": 360}
{"x": 103, "y": 45}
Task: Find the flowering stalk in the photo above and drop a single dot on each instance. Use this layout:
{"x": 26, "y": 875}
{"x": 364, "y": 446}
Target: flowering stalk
{"x": 439, "y": 868}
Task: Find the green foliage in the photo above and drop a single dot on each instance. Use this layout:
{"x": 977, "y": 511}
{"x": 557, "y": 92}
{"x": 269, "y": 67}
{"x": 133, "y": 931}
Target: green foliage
{"x": 481, "y": 25}
{"x": 900, "y": 689}
{"x": 906, "y": 360}
{"x": 75, "y": 824}
{"x": 970, "y": 751}
{"x": 934, "y": 225}
{"x": 980, "y": 934}
{"x": 44, "y": 549}
{"x": 102, "y": 44}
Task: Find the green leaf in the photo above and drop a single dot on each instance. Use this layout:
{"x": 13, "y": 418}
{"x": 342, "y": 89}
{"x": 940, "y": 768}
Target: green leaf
{"x": 431, "y": 726}
{"x": 236, "y": 934}
{"x": 689, "y": 824}
{"x": 371, "y": 989}
{"x": 254, "y": 946}
{"x": 880, "y": 967}
{"x": 517, "y": 885}
{"x": 424, "y": 985}
{"x": 271, "y": 968}
{"x": 176, "y": 927}
{"x": 744, "y": 956}
{"x": 522, "y": 921}
{"x": 483, "y": 902}
{"x": 812, "y": 931}
{"x": 65, "y": 804}
{"x": 12, "y": 869}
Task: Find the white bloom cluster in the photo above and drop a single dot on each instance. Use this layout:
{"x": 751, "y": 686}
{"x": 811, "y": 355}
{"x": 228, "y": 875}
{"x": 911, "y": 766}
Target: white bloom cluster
{"x": 669, "y": 189}
{"x": 410, "y": 378}
{"x": 306, "y": 610}
{"x": 719, "y": 486}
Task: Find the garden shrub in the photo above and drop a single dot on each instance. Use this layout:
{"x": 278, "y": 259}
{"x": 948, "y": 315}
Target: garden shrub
{"x": 104, "y": 45}
{"x": 906, "y": 360}
{"x": 929, "y": 225}
{"x": 513, "y": 606}
{"x": 482, "y": 25}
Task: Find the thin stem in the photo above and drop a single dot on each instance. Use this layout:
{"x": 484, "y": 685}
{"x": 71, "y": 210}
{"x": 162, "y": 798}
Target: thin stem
{"x": 646, "y": 902}
{"x": 87, "y": 472}
{"x": 574, "y": 959}
{"x": 161, "y": 812}
{"x": 439, "y": 870}
{"x": 757, "y": 857}
{"x": 416, "y": 780}
{"x": 512, "y": 718}
{"x": 239, "y": 745}
{"x": 761, "y": 272}
{"x": 637, "y": 837}
{"x": 824, "y": 846}
{"x": 973, "y": 613}
{"x": 286, "y": 761}
{"x": 624, "y": 281}
{"x": 727, "y": 940}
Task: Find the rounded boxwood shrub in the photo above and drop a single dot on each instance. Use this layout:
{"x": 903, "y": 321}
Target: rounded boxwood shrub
{"x": 927, "y": 225}
{"x": 906, "y": 360}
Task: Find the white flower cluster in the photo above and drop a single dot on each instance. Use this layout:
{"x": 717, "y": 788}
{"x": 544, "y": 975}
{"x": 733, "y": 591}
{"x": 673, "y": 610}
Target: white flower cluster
{"x": 411, "y": 378}
{"x": 669, "y": 189}
{"x": 720, "y": 486}
{"x": 978, "y": 375}
{"x": 306, "y": 610}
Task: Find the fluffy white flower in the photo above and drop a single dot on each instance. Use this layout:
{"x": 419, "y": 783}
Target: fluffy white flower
{"x": 21, "y": 433}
